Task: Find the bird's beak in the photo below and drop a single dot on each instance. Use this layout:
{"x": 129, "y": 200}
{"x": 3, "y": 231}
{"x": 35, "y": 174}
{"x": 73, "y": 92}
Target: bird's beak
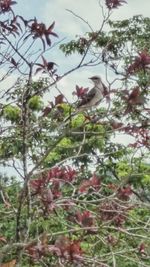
{"x": 90, "y": 78}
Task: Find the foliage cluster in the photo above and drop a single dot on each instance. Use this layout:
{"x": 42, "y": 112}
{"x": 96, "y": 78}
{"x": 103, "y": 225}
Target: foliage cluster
{"x": 78, "y": 198}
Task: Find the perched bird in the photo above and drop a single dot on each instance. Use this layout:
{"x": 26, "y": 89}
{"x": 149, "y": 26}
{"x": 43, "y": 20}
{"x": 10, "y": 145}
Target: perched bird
{"x": 94, "y": 96}
{"x": 91, "y": 98}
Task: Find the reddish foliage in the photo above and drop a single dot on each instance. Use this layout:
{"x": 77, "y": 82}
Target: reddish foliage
{"x": 111, "y": 186}
{"x": 85, "y": 218}
{"x": 5, "y": 5}
{"x": 40, "y": 186}
{"x": 114, "y": 3}
{"x": 69, "y": 250}
{"x": 94, "y": 183}
{"x": 125, "y": 193}
{"x": 140, "y": 133}
{"x": 39, "y": 30}
{"x": 37, "y": 184}
{"x": 15, "y": 64}
{"x": 54, "y": 175}
{"x": 11, "y": 27}
{"x": 36, "y": 252}
{"x": 141, "y": 62}
{"x": 3, "y": 239}
{"x": 112, "y": 211}
{"x": 67, "y": 174}
{"x": 112, "y": 240}
{"x": 46, "y": 66}
{"x": 59, "y": 99}
{"x": 80, "y": 92}
{"x": 134, "y": 98}
{"x": 46, "y": 111}
{"x": 48, "y": 187}
{"x": 142, "y": 248}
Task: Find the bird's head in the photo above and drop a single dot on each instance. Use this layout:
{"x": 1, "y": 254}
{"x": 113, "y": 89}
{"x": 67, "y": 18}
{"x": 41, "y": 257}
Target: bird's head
{"x": 96, "y": 79}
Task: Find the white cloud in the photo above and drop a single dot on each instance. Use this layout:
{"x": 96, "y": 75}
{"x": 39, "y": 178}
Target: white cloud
{"x": 90, "y": 11}
{"x": 68, "y": 23}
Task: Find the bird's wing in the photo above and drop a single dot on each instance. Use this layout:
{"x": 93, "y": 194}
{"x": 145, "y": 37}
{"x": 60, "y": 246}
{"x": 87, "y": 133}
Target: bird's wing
{"x": 87, "y": 97}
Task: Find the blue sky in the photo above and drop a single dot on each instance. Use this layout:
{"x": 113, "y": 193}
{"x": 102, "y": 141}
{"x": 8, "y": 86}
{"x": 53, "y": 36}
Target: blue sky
{"x": 68, "y": 26}
{"x": 50, "y": 10}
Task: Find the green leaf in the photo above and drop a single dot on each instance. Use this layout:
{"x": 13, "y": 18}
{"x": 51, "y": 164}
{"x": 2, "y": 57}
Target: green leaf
{"x": 35, "y": 103}
{"x": 12, "y": 113}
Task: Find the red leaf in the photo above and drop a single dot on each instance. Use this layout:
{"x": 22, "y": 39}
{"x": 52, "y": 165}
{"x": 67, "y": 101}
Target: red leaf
{"x": 14, "y": 62}
{"x": 3, "y": 239}
{"x": 125, "y": 193}
{"x": 75, "y": 250}
{"x": 50, "y": 28}
{"x": 46, "y": 111}
{"x": 85, "y": 218}
{"x": 37, "y": 184}
{"x": 142, "y": 249}
{"x": 141, "y": 62}
{"x": 5, "y": 5}
{"x": 54, "y": 34}
{"x": 134, "y": 93}
{"x": 111, "y": 211}
{"x": 93, "y": 182}
{"x": 84, "y": 186}
{"x": 43, "y": 42}
{"x": 59, "y": 99}
{"x": 44, "y": 62}
{"x": 70, "y": 250}
{"x": 114, "y": 3}
{"x": 50, "y": 65}
{"x": 48, "y": 40}
{"x": 80, "y": 92}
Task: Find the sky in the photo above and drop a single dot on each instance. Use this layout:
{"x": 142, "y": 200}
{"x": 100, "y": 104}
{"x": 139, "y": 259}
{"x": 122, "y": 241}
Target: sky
{"x": 55, "y": 10}
{"x": 69, "y": 26}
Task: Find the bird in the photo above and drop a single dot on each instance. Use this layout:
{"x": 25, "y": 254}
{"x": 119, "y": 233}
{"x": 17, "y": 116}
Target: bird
{"x": 90, "y": 99}
{"x": 94, "y": 96}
